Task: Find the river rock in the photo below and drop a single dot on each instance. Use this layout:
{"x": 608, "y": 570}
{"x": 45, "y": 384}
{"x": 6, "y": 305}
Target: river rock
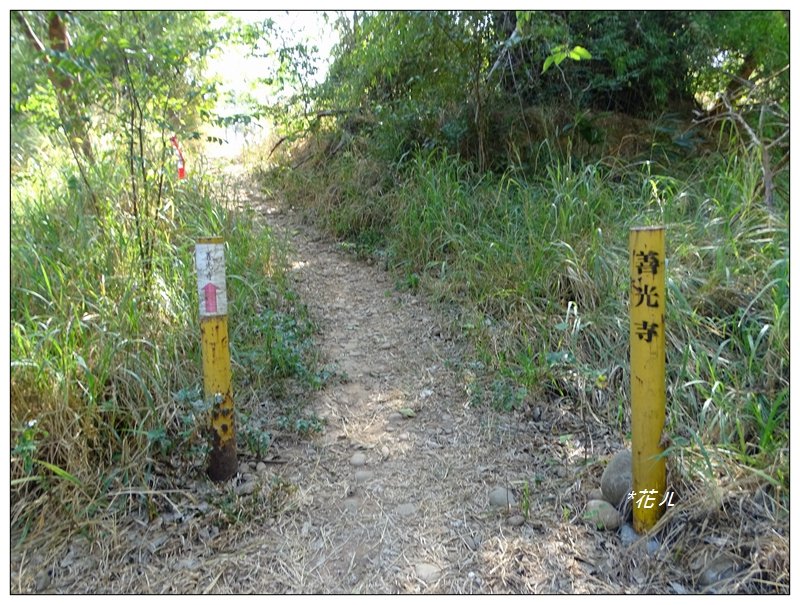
{"x": 628, "y": 536}
{"x": 395, "y": 417}
{"x": 427, "y": 572}
{"x": 602, "y": 515}
{"x": 358, "y": 459}
{"x": 501, "y": 496}
{"x": 42, "y": 580}
{"x": 616, "y": 480}
{"x": 363, "y": 475}
{"x": 722, "y": 567}
{"x": 516, "y": 520}
{"x": 245, "y": 489}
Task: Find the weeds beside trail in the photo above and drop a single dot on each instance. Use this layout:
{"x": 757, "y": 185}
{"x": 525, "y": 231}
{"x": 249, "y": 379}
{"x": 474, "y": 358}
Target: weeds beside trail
{"x": 106, "y": 383}
{"x": 389, "y": 493}
{"x": 535, "y": 267}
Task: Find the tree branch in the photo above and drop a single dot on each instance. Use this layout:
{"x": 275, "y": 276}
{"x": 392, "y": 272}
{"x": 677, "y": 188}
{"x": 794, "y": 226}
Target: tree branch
{"x": 757, "y": 143}
{"x": 31, "y": 35}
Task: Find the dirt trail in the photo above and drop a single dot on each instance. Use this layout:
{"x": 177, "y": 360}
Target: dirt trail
{"x": 400, "y": 502}
{"x": 393, "y": 495}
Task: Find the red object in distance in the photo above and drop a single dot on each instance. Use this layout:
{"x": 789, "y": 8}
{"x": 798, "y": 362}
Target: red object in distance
{"x": 181, "y": 163}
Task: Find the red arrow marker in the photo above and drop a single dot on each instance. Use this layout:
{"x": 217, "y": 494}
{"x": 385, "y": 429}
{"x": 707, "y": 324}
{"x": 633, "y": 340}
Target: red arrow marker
{"x": 210, "y": 292}
{"x": 181, "y": 163}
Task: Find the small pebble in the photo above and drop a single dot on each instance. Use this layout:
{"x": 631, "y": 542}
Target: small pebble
{"x": 405, "y": 510}
{"x": 385, "y": 452}
{"x": 358, "y": 459}
{"x": 245, "y": 489}
{"x": 516, "y": 520}
{"x": 501, "y": 496}
{"x": 722, "y": 567}
{"x": 363, "y": 475}
{"x": 628, "y": 536}
{"x": 427, "y": 572}
{"x": 42, "y": 580}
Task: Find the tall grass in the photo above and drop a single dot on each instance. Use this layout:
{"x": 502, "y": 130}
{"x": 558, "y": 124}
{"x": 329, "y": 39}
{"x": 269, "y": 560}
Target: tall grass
{"x": 537, "y": 265}
{"x": 105, "y": 361}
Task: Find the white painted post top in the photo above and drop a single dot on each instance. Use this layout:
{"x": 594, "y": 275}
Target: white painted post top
{"x": 211, "y": 289}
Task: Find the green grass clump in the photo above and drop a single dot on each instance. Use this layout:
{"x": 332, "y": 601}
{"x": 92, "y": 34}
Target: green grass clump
{"x": 106, "y": 374}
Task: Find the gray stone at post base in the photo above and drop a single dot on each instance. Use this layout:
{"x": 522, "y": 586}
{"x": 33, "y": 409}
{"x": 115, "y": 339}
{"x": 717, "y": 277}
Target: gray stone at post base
{"x": 595, "y": 494}
{"x": 628, "y": 536}
{"x": 616, "y": 481}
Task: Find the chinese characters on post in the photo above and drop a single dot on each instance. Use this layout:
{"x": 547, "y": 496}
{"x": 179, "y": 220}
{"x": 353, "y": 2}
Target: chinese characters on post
{"x": 648, "y": 389}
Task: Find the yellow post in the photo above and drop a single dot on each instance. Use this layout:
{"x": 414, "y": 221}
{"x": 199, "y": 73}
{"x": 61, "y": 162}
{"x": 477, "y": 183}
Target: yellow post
{"x": 212, "y": 292}
{"x": 648, "y": 376}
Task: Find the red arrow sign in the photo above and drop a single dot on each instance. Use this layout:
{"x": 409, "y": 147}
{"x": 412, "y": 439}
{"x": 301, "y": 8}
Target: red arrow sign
{"x": 210, "y": 293}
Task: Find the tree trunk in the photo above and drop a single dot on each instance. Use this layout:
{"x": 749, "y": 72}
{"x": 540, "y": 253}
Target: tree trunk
{"x": 69, "y": 110}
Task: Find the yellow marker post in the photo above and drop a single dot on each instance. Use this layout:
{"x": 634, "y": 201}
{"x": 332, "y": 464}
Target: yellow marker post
{"x": 648, "y": 375}
{"x": 212, "y": 291}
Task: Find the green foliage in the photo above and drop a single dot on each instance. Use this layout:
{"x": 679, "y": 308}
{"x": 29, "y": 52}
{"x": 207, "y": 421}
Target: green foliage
{"x": 561, "y": 52}
{"x": 506, "y": 90}
{"x": 97, "y": 353}
{"x": 391, "y": 67}
{"x": 727, "y": 40}
{"x": 252, "y": 435}
{"x": 105, "y": 350}
{"x": 300, "y": 424}
{"x": 27, "y": 443}
{"x": 288, "y": 73}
